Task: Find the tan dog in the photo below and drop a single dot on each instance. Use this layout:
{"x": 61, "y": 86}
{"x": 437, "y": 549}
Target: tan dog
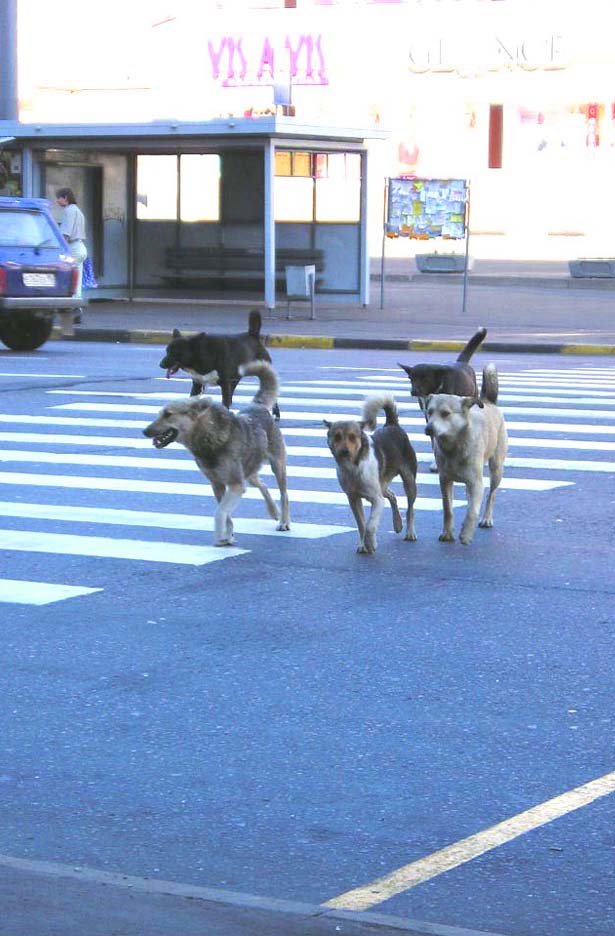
{"x": 230, "y": 448}
{"x": 366, "y": 465}
{"x": 464, "y": 438}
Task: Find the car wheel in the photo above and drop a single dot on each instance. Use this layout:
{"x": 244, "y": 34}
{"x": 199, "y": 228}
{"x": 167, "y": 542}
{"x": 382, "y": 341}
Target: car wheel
{"x": 25, "y": 331}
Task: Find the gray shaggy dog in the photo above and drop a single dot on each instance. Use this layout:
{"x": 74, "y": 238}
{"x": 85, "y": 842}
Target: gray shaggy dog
{"x": 230, "y": 448}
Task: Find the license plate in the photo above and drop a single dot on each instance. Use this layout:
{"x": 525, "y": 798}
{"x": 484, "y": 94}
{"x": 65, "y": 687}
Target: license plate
{"x": 39, "y": 279}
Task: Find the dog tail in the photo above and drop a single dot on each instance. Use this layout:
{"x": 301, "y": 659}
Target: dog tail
{"x": 373, "y": 405}
{"x": 254, "y": 324}
{"x": 475, "y": 342}
{"x": 490, "y": 386}
{"x": 267, "y": 393}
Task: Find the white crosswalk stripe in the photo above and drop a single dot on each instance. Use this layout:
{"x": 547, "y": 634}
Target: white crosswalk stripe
{"x": 96, "y": 438}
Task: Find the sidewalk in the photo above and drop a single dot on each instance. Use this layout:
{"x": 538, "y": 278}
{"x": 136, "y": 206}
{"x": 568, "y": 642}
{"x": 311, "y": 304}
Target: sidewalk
{"x": 538, "y": 308}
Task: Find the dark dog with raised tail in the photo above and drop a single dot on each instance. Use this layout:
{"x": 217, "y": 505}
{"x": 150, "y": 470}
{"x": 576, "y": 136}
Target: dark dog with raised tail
{"x": 457, "y": 377}
{"x": 200, "y": 354}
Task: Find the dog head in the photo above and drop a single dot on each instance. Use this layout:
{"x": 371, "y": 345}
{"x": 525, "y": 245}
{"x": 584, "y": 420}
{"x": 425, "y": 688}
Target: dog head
{"x": 347, "y": 441}
{"x": 178, "y": 354}
{"x": 447, "y": 417}
{"x": 177, "y": 421}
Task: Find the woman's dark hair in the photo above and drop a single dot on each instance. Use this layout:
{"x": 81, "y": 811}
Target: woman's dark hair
{"x": 68, "y": 194}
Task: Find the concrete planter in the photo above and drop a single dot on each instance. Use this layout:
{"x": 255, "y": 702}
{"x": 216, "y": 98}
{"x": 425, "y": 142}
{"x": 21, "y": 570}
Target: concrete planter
{"x": 441, "y": 263}
{"x": 599, "y": 267}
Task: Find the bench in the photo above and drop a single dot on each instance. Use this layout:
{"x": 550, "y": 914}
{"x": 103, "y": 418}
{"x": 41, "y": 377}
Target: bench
{"x": 234, "y": 264}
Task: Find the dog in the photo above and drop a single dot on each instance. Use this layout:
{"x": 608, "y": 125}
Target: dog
{"x": 465, "y": 436}
{"x": 367, "y": 464}
{"x": 203, "y": 353}
{"x": 456, "y": 377}
{"x": 230, "y": 448}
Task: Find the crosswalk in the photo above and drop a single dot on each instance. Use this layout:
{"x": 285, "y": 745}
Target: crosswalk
{"x": 78, "y": 479}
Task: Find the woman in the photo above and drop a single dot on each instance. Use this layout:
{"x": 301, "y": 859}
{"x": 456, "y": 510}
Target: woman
{"x": 72, "y": 225}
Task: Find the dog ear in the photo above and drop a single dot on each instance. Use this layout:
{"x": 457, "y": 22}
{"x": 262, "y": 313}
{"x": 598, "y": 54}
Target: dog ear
{"x": 177, "y": 333}
{"x": 327, "y": 423}
{"x": 468, "y": 402}
{"x": 407, "y": 369}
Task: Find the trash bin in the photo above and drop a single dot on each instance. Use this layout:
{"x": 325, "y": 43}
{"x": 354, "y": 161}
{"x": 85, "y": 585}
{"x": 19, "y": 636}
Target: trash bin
{"x": 300, "y": 284}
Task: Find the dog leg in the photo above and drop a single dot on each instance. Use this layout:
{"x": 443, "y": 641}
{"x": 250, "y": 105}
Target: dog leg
{"x": 226, "y": 388}
{"x": 373, "y": 523}
{"x": 433, "y": 467}
{"x": 223, "y": 521}
{"x": 474, "y": 490}
{"x": 256, "y": 482}
{"x": 495, "y": 476}
{"x": 448, "y": 530}
{"x": 197, "y": 388}
{"x": 397, "y": 521}
{"x": 219, "y": 490}
{"x": 278, "y": 466}
{"x": 409, "y": 482}
{"x": 356, "y": 505}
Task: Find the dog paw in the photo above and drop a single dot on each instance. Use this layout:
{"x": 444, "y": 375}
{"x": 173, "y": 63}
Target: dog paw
{"x": 447, "y": 537}
{"x": 410, "y": 537}
{"x": 283, "y": 526}
{"x": 365, "y": 551}
{"x": 398, "y": 524}
{"x": 225, "y": 542}
{"x": 465, "y": 540}
{"x": 486, "y": 524}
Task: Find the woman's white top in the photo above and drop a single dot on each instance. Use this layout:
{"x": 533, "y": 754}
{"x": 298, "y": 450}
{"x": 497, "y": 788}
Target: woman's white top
{"x": 72, "y": 223}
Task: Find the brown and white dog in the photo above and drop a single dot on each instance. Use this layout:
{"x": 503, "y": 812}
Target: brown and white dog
{"x": 367, "y": 464}
{"x": 230, "y": 448}
{"x": 464, "y": 437}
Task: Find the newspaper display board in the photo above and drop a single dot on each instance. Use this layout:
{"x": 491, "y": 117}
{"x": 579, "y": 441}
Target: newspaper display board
{"x": 426, "y": 208}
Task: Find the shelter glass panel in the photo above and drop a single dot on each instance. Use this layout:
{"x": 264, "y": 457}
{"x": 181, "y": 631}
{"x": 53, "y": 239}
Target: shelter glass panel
{"x": 157, "y": 188}
{"x": 200, "y": 187}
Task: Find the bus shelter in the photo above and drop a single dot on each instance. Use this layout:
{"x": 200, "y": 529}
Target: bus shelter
{"x": 215, "y": 208}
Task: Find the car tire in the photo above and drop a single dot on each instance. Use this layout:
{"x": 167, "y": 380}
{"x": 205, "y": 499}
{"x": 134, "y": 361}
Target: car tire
{"x": 25, "y": 331}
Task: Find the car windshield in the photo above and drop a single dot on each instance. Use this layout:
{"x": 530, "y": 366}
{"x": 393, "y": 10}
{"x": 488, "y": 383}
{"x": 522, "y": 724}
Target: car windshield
{"x": 26, "y": 229}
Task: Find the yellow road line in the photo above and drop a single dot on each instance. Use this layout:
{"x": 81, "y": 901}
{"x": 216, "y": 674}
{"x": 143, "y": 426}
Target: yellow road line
{"x": 417, "y": 872}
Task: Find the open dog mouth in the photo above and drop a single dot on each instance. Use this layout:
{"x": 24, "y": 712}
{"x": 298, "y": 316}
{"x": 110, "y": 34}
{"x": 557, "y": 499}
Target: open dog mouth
{"x": 165, "y": 438}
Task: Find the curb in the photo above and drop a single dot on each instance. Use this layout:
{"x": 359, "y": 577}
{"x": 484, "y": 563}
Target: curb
{"x": 148, "y": 336}
{"x": 33, "y": 868}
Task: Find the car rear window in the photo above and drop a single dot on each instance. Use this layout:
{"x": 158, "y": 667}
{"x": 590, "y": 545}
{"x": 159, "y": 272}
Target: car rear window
{"x": 26, "y": 229}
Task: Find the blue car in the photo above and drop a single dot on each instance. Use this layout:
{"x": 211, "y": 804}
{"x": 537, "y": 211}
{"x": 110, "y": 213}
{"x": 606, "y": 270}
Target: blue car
{"x": 38, "y": 276}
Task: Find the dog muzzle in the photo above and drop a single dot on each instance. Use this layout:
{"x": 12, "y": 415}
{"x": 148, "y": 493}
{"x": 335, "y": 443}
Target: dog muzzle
{"x": 162, "y": 440}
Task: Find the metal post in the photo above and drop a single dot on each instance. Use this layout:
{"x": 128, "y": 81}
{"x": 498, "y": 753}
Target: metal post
{"x": 269, "y": 226}
{"x": 384, "y": 229}
{"x": 465, "y": 266}
{"x": 364, "y": 258}
{"x": 9, "y": 106}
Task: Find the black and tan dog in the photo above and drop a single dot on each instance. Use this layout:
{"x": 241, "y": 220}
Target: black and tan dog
{"x": 366, "y": 465}
{"x": 200, "y": 354}
{"x": 456, "y": 377}
{"x": 230, "y": 448}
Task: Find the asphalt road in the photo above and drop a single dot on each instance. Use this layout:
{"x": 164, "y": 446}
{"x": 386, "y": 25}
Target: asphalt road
{"x": 290, "y": 719}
